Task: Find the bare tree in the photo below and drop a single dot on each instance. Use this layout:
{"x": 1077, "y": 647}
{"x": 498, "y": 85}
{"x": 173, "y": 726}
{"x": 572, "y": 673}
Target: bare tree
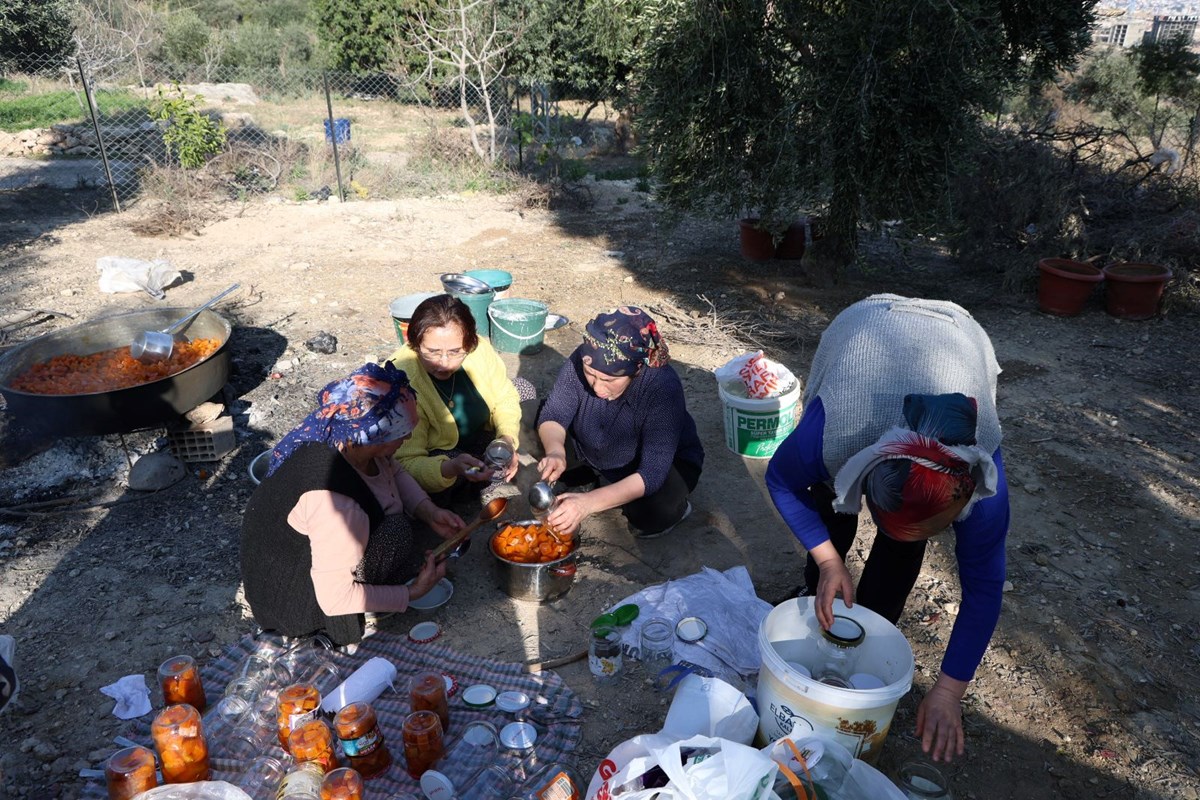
{"x": 466, "y": 39}
{"x": 111, "y": 33}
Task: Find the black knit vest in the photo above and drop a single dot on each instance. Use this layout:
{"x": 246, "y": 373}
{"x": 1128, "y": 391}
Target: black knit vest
{"x": 276, "y": 560}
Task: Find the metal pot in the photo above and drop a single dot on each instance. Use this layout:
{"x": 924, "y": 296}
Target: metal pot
{"x": 540, "y": 583}
{"x": 146, "y": 405}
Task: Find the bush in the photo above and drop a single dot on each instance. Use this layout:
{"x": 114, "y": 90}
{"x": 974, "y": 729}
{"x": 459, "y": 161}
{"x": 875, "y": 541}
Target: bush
{"x": 190, "y": 136}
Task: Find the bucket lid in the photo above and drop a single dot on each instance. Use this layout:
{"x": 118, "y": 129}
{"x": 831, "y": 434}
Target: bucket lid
{"x": 403, "y": 307}
{"x": 844, "y": 632}
{"x": 457, "y": 283}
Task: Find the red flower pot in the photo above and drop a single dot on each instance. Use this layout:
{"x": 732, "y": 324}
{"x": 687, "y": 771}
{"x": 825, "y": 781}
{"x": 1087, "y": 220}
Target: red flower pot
{"x": 791, "y": 246}
{"x": 1065, "y": 285}
{"x": 1132, "y": 291}
{"x": 757, "y": 243}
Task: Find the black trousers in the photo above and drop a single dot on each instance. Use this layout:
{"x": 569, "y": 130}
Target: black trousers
{"x": 892, "y": 567}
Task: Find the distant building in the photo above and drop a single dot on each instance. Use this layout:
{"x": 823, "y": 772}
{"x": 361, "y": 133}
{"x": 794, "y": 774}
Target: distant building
{"x": 1176, "y": 26}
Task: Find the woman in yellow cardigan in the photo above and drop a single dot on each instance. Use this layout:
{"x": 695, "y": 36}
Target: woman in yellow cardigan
{"x": 464, "y": 398}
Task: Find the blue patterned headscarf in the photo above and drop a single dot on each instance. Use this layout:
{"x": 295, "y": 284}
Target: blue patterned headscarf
{"x": 372, "y": 405}
{"x": 619, "y": 342}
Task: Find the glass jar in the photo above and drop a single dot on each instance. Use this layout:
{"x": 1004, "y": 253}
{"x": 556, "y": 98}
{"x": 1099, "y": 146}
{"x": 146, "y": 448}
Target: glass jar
{"x": 427, "y": 691}
{"x": 657, "y": 645}
{"x": 264, "y": 773}
{"x": 254, "y": 732}
{"x": 129, "y": 772}
{"x": 921, "y": 781}
{"x": 555, "y": 781}
{"x": 423, "y": 744}
{"x": 498, "y": 455}
{"x": 478, "y": 747}
{"x": 362, "y": 741}
{"x": 342, "y": 784}
{"x": 180, "y": 681}
{"x": 604, "y": 654}
{"x": 296, "y": 705}
{"x": 179, "y": 739}
{"x": 838, "y": 649}
{"x": 302, "y": 783}
{"x": 313, "y": 741}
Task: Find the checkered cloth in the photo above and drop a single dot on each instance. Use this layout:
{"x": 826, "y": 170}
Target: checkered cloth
{"x": 554, "y": 709}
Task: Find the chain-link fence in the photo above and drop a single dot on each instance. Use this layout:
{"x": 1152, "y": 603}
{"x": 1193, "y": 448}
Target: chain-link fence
{"x": 153, "y": 128}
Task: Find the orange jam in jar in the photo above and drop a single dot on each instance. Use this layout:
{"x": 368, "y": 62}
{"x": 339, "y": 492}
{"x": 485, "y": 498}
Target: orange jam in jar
{"x": 313, "y": 741}
{"x": 180, "y": 681}
{"x": 179, "y": 740}
{"x": 358, "y": 730}
{"x": 342, "y": 784}
{"x": 428, "y": 693}
{"x": 423, "y": 744}
{"x": 130, "y": 772}
{"x": 296, "y": 705}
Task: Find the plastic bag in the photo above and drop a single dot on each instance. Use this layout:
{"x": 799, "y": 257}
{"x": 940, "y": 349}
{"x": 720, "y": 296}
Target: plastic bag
{"x": 838, "y": 774}
{"x": 202, "y": 790}
{"x": 710, "y": 707}
{"x": 119, "y": 275}
{"x": 700, "y": 768}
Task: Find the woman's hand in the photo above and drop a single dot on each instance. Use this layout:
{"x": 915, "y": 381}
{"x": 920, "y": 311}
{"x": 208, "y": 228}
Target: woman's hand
{"x": 431, "y": 572}
{"x": 552, "y": 466}
{"x": 444, "y": 523}
{"x": 939, "y": 719}
{"x": 835, "y": 579}
{"x": 467, "y": 466}
{"x": 511, "y": 470}
{"x": 569, "y": 512}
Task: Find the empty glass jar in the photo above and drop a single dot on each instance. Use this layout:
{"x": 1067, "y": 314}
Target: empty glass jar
{"x": 922, "y": 781}
{"x": 838, "y": 648}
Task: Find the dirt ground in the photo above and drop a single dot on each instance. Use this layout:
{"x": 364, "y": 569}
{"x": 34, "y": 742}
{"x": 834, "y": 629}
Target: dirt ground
{"x": 1088, "y": 690}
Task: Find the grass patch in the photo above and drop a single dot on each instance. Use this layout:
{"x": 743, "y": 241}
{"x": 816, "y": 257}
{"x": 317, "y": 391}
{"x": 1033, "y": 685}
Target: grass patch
{"x": 8, "y": 86}
{"x": 43, "y": 110}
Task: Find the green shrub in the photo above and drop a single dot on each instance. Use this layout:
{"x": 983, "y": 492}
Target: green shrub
{"x": 44, "y": 110}
{"x": 190, "y": 136}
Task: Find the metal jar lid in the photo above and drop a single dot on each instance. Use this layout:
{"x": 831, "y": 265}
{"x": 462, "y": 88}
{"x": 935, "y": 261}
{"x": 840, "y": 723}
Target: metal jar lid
{"x": 844, "y": 632}
{"x": 518, "y": 736}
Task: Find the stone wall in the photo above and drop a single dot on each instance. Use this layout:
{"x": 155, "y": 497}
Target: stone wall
{"x": 80, "y": 140}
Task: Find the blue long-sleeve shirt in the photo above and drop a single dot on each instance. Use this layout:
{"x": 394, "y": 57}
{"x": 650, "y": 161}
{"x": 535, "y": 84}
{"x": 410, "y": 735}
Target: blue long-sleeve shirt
{"x": 643, "y": 431}
{"x": 979, "y": 539}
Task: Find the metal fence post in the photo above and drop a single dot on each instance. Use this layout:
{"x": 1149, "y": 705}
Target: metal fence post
{"x": 517, "y": 120}
{"x": 337, "y": 163}
{"x": 87, "y": 92}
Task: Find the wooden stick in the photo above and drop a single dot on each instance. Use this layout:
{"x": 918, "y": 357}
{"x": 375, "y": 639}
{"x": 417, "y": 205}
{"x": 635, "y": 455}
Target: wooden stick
{"x": 538, "y": 666}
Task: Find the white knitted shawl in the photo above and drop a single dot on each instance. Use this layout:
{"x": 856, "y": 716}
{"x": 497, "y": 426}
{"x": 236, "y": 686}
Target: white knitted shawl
{"x": 885, "y": 347}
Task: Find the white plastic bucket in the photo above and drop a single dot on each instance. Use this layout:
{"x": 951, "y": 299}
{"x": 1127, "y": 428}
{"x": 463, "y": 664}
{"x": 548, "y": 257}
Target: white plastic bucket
{"x": 756, "y": 428}
{"x": 790, "y": 704}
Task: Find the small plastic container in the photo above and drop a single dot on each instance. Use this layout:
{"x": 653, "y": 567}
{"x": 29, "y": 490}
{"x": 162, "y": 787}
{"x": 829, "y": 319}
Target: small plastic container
{"x": 423, "y": 743}
{"x": 179, "y": 739}
{"x": 297, "y": 704}
{"x": 180, "y": 681}
{"x": 427, "y": 691}
{"x": 313, "y": 741}
{"x": 130, "y": 772}
{"x": 342, "y": 784}
{"x": 357, "y": 728}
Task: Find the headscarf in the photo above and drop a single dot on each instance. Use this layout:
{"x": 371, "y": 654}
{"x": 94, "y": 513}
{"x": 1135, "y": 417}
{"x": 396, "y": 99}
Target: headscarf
{"x": 915, "y": 473}
{"x": 619, "y": 342}
{"x": 372, "y": 405}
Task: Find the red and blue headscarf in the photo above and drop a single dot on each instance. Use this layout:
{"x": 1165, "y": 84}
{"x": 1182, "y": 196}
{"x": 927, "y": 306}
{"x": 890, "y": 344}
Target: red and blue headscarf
{"x": 914, "y": 474}
{"x": 619, "y": 342}
{"x": 372, "y": 405}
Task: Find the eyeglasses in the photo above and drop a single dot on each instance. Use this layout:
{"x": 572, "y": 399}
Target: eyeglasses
{"x": 444, "y": 355}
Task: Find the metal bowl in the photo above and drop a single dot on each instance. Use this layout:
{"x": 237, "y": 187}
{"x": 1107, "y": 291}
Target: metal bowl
{"x": 539, "y": 583}
{"x": 456, "y": 283}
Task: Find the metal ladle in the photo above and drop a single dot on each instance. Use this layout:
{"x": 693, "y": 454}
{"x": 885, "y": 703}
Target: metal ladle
{"x": 151, "y": 346}
{"x": 541, "y": 497}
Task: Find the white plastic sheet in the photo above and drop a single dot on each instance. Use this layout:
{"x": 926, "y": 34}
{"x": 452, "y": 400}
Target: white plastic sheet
{"x": 119, "y": 275}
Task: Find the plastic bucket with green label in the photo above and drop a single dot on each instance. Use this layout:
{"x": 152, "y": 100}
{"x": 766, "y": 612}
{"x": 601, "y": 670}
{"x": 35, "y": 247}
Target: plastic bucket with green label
{"x": 755, "y": 428}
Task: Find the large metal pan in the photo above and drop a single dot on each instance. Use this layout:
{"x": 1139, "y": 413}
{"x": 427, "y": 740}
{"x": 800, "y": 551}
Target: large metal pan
{"x": 147, "y": 405}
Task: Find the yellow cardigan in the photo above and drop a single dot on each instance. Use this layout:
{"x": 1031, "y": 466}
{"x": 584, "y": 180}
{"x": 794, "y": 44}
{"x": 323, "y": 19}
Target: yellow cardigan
{"x": 436, "y": 429}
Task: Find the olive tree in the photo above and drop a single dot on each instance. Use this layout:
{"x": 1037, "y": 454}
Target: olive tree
{"x": 864, "y": 106}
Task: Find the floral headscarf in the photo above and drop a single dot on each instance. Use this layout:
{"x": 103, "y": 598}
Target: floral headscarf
{"x": 914, "y": 474}
{"x": 372, "y": 405}
{"x": 619, "y": 342}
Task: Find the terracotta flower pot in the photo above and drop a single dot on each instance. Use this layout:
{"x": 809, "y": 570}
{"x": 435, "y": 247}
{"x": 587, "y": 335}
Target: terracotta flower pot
{"x": 1065, "y": 285}
{"x": 1132, "y": 291}
{"x": 757, "y": 243}
{"x": 791, "y": 246}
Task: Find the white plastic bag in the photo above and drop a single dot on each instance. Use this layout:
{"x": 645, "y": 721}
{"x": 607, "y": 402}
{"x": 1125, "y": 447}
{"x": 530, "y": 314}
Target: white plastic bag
{"x": 710, "y": 707}
{"x": 119, "y": 275}
{"x": 202, "y": 790}
{"x": 707, "y": 768}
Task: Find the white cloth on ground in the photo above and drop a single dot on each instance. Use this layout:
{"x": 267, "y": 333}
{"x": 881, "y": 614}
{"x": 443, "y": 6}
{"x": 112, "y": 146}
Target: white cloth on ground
{"x": 132, "y": 696}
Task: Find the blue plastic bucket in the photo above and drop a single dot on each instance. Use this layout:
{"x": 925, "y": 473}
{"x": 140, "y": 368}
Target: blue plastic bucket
{"x": 340, "y": 129}
{"x": 518, "y": 326}
{"x": 498, "y": 279}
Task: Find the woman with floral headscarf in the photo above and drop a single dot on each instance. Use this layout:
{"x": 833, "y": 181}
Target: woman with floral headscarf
{"x": 338, "y": 526}
{"x": 617, "y": 415}
{"x": 900, "y": 407}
